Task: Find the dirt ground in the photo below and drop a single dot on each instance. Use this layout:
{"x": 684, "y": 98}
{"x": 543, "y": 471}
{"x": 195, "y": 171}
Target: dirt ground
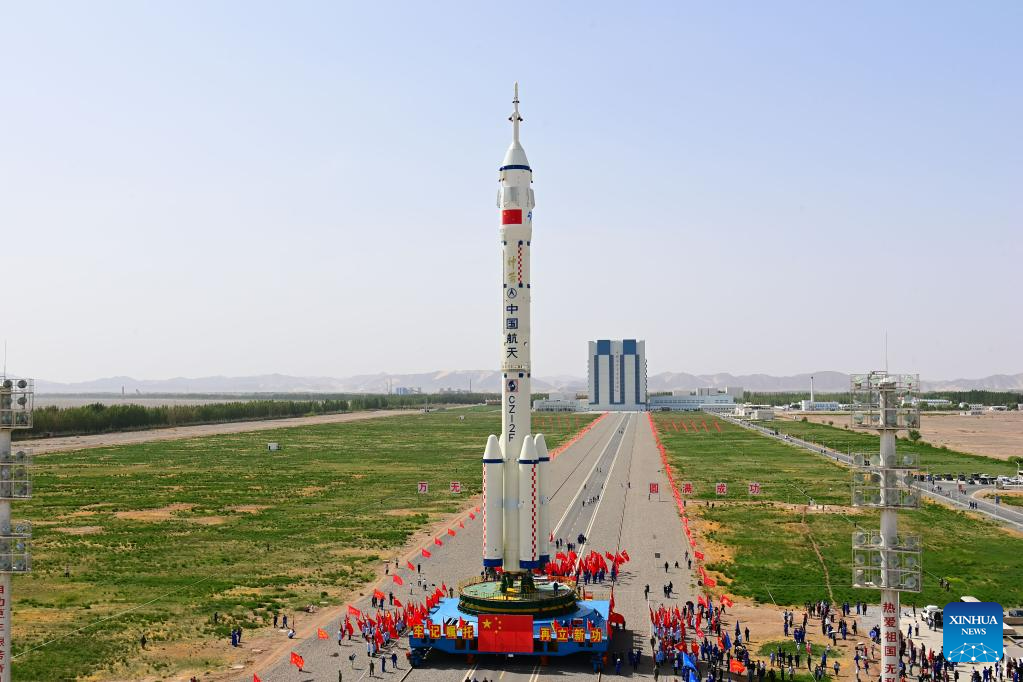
{"x": 63, "y": 444}
{"x": 993, "y": 434}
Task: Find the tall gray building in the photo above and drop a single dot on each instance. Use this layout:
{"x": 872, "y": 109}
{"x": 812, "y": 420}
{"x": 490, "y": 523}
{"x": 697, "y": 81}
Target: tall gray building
{"x": 617, "y": 375}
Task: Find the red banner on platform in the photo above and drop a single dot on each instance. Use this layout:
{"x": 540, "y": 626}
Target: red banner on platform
{"x": 506, "y": 634}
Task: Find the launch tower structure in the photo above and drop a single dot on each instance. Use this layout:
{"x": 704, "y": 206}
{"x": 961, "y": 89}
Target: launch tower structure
{"x": 886, "y": 559}
{"x": 16, "y": 398}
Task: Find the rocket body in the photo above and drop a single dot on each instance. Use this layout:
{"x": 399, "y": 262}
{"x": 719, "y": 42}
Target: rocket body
{"x": 522, "y": 471}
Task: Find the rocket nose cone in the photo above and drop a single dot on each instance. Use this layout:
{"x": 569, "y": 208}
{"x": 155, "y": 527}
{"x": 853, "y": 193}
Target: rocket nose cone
{"x": 541, "y": 446}
{"x": 515, "y": 156}
{"x": 493, "y": 449}
{"x": 528, "y": 451}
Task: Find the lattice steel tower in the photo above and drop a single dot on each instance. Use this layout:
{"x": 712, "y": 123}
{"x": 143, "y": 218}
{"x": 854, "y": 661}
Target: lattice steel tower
{"x": 15, "y": 484}
{"x": 885, "y": 559}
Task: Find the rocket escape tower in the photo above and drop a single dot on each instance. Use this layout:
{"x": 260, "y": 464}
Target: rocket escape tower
{"x": 16, "y": 397}
{"x": 886, "y": 560}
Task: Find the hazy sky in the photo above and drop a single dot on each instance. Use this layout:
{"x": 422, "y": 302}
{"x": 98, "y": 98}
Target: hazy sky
{"x": 194, "y": 188}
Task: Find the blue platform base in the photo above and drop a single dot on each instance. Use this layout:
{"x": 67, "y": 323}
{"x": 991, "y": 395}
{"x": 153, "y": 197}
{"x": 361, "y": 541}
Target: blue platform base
{"x": 589, "y": 614}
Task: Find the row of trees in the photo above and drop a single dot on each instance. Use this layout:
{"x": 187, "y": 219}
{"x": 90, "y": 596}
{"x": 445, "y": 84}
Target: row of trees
{"x": 101, "y": 418}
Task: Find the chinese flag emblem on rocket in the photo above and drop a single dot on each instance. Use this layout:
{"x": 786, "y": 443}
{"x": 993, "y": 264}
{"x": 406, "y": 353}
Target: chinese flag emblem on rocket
{"x": 511, "y": 216}
{"x": 506, "y": 634}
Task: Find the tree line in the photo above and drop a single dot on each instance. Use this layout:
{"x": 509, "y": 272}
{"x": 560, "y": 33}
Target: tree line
{"x": 100, "y": 418}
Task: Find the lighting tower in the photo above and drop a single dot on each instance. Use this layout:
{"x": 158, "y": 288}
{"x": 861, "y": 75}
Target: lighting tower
{"x": 15, "y": 413}
{"x": 884, "y": 559}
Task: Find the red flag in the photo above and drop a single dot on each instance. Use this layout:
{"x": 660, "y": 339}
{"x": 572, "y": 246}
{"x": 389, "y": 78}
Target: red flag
{"x": 506, "y": 634}
{"x": 437, "y": 542}
{"x": 255, "y": 678}
{"x": 472, "y": 516}
{"x": 698, "y": 555}
{"x": 297, "y": 660}
{"x": 710, "y": 582}
{"x": 426, "y": 553}
{"x": 378, "y": 594}
{"x": 444, "y": 588}
{"x": 726, "y": 600}
{"x": 322, "y": 634}
{"x": 397, "y": 602}
{"x": 737, "y": 667}
{"x": 352, "y": 611}
{"x": 461, "y": 525}
{"x": 626, "y": 555}
{"x": 397, "y": 579}
{"x": 451, "y": 531}
{"x": 410, "y": 566}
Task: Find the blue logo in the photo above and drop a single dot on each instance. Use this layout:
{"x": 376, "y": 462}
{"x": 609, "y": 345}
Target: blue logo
{"x": 972, "y": 632}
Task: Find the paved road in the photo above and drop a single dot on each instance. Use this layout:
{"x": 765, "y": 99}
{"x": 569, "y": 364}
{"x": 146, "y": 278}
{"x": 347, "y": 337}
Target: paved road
{"x": 616, "y": 460}
{"x": 939, "y": 493}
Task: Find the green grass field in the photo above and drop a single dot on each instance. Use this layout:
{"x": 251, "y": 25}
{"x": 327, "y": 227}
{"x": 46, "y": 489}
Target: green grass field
{"x": 767, "y": 543}
{"x": 220, "y": 524}
{"x": 933, "y": 459}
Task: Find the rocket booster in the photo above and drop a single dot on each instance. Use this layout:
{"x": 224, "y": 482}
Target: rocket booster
{"x": 520, "y": 481}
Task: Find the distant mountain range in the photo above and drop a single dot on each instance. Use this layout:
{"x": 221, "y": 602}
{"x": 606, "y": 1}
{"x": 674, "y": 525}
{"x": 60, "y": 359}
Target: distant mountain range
{"x": 486, "y": 381}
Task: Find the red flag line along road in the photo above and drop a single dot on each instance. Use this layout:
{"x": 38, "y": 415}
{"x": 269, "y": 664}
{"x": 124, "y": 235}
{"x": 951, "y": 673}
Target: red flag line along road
{"x": 615, "y": 452}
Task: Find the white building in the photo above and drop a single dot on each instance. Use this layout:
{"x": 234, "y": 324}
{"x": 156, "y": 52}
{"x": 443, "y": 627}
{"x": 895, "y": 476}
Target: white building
{"x": 819, "y": 406}
{"x": 617, "y": 375}
{"x": 559, "y": 402}
{"x": 706, "y": 399}
{"x": 755, "y": 412}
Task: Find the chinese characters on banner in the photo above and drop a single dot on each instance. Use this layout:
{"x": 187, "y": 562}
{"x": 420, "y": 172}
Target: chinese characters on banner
{"x": 687, "y": 488}
{"x": 754, "y": 488}
{"x": 456, "y": 487}
{"x": 721, "y": 489}
{"x": 654, "y": 488}
{"x": 423, "y": 488}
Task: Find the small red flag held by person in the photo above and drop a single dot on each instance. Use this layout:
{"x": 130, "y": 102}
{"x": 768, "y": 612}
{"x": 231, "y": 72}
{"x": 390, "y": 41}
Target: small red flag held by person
{"x": 437, "y": 542}
{"x": 379, "y": 595}
{"x": 451, "y": 531}
{"x": 352, "y": 611}
{"x": 397, "y": 602}
{"x": 297, "y": 660}
{"x": 472, "y": 516}
{"x": 461, "y": 525}
{"x": 426, "y": 553}
{"x": 698, "y": 555}
{"x": 397, "y": 579}
{"x": 255, "y": 678}
{"x": 411, "y": 567}
{"x": 322, "y": 634}
{"x": 737, "y": 667}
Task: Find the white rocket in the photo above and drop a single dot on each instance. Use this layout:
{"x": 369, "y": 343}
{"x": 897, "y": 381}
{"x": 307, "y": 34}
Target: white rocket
{"x": 515, "y": 467}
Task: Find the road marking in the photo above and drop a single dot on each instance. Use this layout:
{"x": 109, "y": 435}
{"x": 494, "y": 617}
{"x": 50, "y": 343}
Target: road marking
{"x": 501, "y": 676}
{"x": 600, "y": 498}
{"x": 536, "y": 674}
{"x": 571, "y": 505}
